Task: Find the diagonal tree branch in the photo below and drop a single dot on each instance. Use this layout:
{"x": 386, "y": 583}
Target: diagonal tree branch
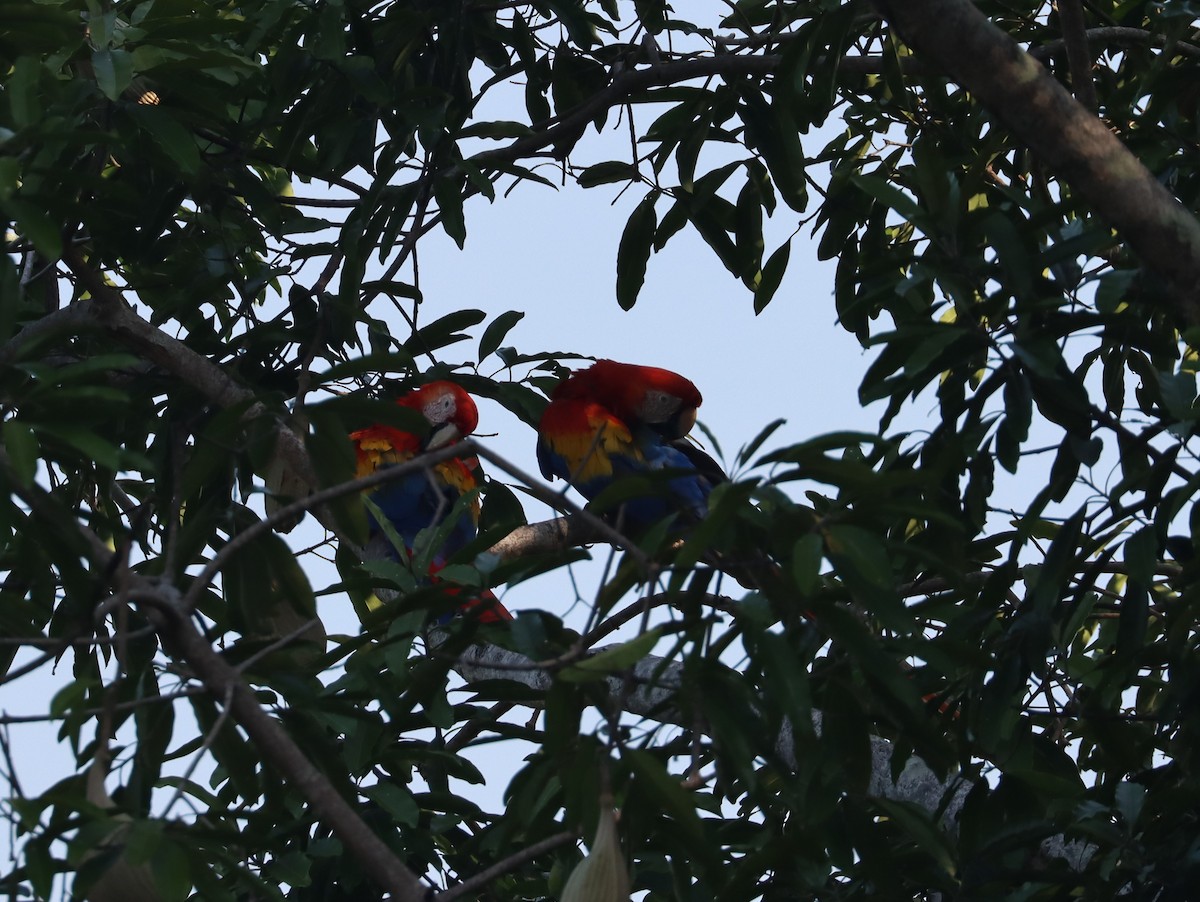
{"x": 270, "y": 738}
{"x": 109, "y": 311}
{"x": 649, "y": 690}
{"x": 956, "y": 38}
{"x": 162, "y": 605}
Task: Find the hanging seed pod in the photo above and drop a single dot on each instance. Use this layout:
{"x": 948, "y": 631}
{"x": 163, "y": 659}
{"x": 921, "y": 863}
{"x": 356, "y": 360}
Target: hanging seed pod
{"x": 123, "y": 881}
{"x": 602, "y": 875}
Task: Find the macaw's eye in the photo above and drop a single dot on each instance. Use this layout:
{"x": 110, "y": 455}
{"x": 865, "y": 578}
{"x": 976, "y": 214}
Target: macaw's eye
{"x": 440, "y": 409}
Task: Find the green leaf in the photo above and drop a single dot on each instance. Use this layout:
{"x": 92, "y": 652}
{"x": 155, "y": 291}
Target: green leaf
{"x": 444, "y": 331}
{"x": 755, "y": 443}
{"x": 70, "y": 696}
{"x": 172, "y": 872}
{"x": 397, "y": 801}
{"x": 1141, "y": 554}
{"x": 291, "y": 868}
{"x": 21, "y": 445}
{"x": 114, "y": 71}
{"x": 168, "y": 133}
{"x": 501, "y": 509}
{"x": 860, "y": 558}
{"x": 634, "y": 251}
{"x": 889, "y": 194}
{"x": 95, "y": 448}
{"x": 786, "y": 680}
{"x": 807, "y": 554}
{"x": 771, "y": 276}
{"x": 449, "y": 194}
{"x": 606, "y": 173}
{"x": 652, "y": 777}
{"x": 1178, "y": 393}
{"x": 612, "y": 660}
{"x": 392, "y": 362}
{"x": 652, "y": 14}
{"x": 329, "y": 41}
{"x": 748, "y": 232}
{"x": 1112, "y": 288}
{"x": 39, "y": 228}
{"x": 496, "y": 332}
{"x": 393, "y": 289}
{"x": 581, "y": 27}
{"x": 497, "y": 129}
{"x": 920, "y": 828}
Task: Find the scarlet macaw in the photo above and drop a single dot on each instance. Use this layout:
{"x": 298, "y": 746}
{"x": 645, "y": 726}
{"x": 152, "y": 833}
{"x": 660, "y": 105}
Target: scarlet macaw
{"x": 618, "y": 419}
{"x": 425, "y": 497}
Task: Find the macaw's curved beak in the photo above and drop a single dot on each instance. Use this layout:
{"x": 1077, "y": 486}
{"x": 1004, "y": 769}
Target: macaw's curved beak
{"x": 682, "y": 423}
{"x": 443, "y": 436}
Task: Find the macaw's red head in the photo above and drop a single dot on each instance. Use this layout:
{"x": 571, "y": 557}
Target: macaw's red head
{"x": 448, "y": 408}
{"x": 649, "y": 395}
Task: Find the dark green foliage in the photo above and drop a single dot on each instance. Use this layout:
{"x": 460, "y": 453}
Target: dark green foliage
{"x": 210, "y": 210}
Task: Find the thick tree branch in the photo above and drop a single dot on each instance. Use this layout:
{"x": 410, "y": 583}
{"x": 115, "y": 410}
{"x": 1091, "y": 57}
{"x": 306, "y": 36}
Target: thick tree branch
{"x": 955, "y": 37}
{"x": 278, "y": 748}
{"x": 1115, "y": 37}
{"x": 649, "y": 690}
{"x": 546, "y": 537}
{"x": 71, "y": 319}
{"x": 628, "y": 83}
{"x": 110, "y": 312}
{"x": 162, "y": 605}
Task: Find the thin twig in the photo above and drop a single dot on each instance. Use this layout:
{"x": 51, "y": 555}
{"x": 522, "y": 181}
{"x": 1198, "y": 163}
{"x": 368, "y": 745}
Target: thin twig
{"x": 507, "y": 866}
{"x": 209, "y": 738}
{"x": 165, "y": 609}
{"x": 473, "y": 728}
{"x": 92, "y": 712}
{"x": 276, "y": 645}
{"x": 215, "y": 564}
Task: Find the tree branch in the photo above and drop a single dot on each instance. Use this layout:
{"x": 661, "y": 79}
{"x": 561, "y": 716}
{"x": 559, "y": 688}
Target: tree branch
{"x": 110, "y": 312}
{"x": 655, "y": 682}
{"x": 484, "y": 877}
{"x": 163, "y": 607}
{"x": 546, "y": 537}
{"x": 962, "y": 43}
{"x": 273, "y": 742}
{"x": 623, "y": 86}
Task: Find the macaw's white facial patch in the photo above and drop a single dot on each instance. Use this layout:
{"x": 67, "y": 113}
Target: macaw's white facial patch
{"x": 440, "y": 409}
{"x": 658, "y": 406}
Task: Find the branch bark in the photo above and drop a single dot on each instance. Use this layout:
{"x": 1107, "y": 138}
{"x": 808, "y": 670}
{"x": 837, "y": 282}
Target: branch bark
{"x": 648, "y": 690}
{"x": 109, "y": 311}
{"x": 163, "y": 606}
{"x": 280, "y": 750}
